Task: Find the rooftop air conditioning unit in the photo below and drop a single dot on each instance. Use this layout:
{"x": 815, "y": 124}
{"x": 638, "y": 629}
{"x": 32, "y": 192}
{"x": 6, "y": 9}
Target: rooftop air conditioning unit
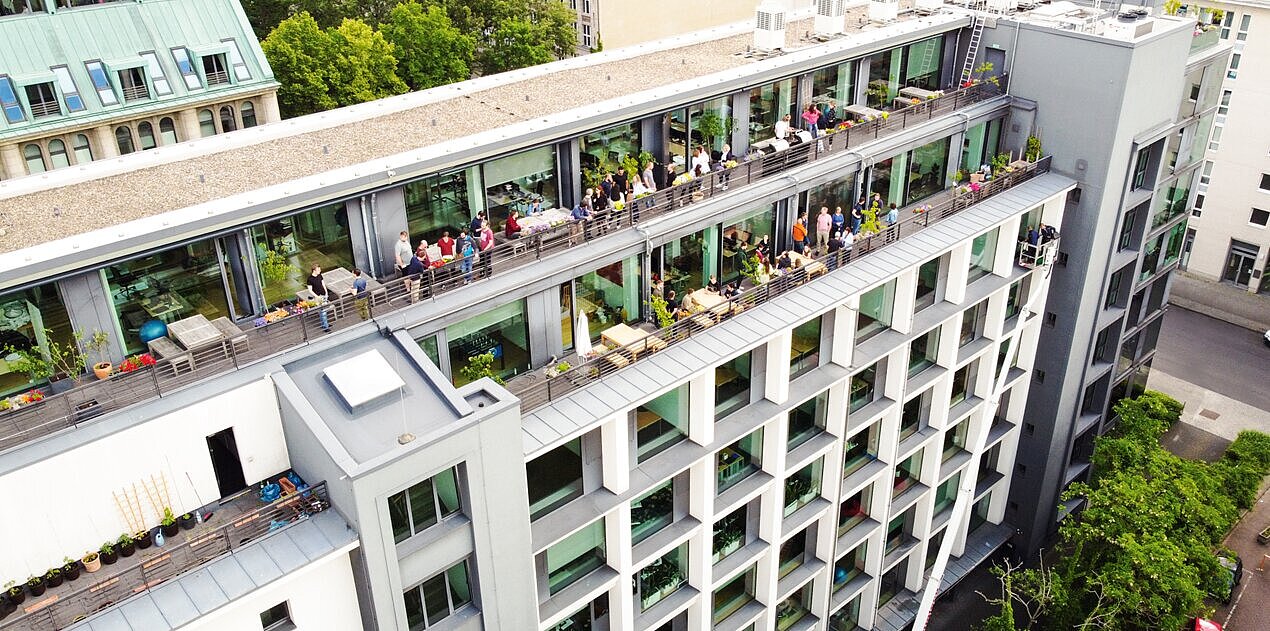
{"x": 769, "y": 26}
{"x": 830, "y": 16}
{"x": 883, "y": 11}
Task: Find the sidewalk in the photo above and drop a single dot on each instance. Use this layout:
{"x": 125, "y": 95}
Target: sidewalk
{"x": 1224, "y": 302}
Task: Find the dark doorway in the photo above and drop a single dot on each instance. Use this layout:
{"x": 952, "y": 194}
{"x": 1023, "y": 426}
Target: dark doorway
{"x": 225, "y": 463}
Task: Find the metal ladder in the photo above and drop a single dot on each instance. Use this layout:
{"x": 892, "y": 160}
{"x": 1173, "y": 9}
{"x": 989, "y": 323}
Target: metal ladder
{"x": 929, "y": 55}
{"x": 966, "y": 487}
{"x": 972, "y": 51}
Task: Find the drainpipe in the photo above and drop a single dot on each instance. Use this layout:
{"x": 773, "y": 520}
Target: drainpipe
{"x": 646, "y": 268}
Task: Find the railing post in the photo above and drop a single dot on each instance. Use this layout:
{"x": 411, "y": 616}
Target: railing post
{"x": 154, "y": 378}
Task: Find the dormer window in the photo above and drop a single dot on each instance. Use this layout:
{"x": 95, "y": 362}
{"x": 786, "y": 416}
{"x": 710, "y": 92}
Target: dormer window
{"x": 43, "y": 100}
{"x": 133, "y": 82}
{"x": 215, "y": 70}
{"x": 101, "y": 83}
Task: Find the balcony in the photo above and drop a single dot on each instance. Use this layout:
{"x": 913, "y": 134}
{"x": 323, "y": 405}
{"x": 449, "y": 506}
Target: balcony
{"x": 235, "y": 525}
{"x": 135, "y": 93}
{"x": 1205, "y": 36}
{"x": 45, "y": 108}
{"x": 219, "y": 77}
{"x": 93, "y": 399}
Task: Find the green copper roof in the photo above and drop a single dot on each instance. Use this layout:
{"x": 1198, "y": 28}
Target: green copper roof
{"x": 116, "y": 33}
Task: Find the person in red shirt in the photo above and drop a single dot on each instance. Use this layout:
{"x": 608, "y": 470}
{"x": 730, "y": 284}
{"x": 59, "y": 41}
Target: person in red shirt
{"x": 446, "y": 244}
{"x": 512, "y": 227}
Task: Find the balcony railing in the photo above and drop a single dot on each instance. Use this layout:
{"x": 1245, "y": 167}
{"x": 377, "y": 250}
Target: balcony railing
{"x": 1205, "y": 36}
{"x": 153, "y": 566}
{"x": 135, "y": 93}
{"x": 219, "y": 77}
{"x": 94, "y": 398}
{"x": 45, "y": 108}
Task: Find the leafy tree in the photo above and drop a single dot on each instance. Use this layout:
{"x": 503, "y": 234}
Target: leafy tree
{"x": 429, "y": 50}
{"x": 516, "y": 43}
{"x": 556, "y": 22}
{"x": 301, "y": 56}
{"x": 365, "y": 68}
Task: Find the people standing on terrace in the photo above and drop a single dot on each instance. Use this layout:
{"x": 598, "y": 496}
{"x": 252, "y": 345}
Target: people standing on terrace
{"x": 839, "y": 222}
{"x": 811, "y": 116}
{"x": 446, "y": 244}
{"x": 401, "y": 252}
{"x": 700, "y": 161}
{"x": 799, "y": 233}
{"x": 781, "y": 130}
{"x": 824, "y": 224}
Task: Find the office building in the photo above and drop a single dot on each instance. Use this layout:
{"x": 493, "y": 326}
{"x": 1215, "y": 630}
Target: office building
{"x": 788, "y": 458}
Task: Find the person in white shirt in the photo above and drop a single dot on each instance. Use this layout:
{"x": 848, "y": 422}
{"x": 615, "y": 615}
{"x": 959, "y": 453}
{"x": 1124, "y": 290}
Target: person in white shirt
{"x": 700, "y": 158}
{"x": 782, "y": 127}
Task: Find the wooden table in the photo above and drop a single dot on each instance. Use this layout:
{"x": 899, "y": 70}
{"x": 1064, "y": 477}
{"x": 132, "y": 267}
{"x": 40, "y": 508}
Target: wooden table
{"x": 813, "y": 267}
{"x": 918, "y": 93}
{"x": 338, "y": 281}
{"x": 194, "y": 331}
{"x": 624, "y": 336}
{"x": 860, "y": 112}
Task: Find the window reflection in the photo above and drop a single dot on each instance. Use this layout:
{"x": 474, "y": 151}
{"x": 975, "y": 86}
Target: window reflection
{"x": 313, "y": 237}
{"x": 518, "y": 181}
{"x": 609, "y": 295}
{"x": 502, "y": 332}
{"x": 27, "y": 318}
{"x": 166, "y": 286}
{"x": 442, "y": 202}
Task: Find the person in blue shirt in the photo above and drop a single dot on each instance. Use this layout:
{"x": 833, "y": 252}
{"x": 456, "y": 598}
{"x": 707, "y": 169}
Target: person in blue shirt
{"x": 839, "y": 220}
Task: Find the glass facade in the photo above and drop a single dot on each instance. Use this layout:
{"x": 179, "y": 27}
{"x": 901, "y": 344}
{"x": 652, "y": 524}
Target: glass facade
{"x": 603, "y": 151}
{"x": 433, "y": 600}
{"x": 805, "y": 347}
{"x": 876, "y": 308}
{"x": 652, "y": 511}
{"x": 740, "y": 240}
{"x": 927, "y": 283}
{"x": 922, "y": 62}
{"x": 30, "y": 319}
{"x": 423, "y": 505}
{"x": 708, "y": 124}
{"x": 554, "y": 478}
{"x": 444, "y": 202}
{"x": 802, "y": 487}
{"x": 850, "y": 566}
{"x": 807, "y": 420}
{"x": 314, "y": 237}
{"x": 922, "y": 352}
{"x": 835, "y": 83}
{"x": 855, "y": 510}
{"x": 166, "y": 286}
{"x": 575, "y": 556}
{"x": 983, "y": 251}
{"x": 863, "y": 388}
{"x": 768, "y": 104}
{"x": 502, "y": 332}
{"x": 884, "y": 77}
{"x": 661, "y": 422}
{"x": 609, "y": 295}
{"x": 661, "y": 578}
{"x": 729, "y": 533}
{"x": 927, "y": 170}
{"x": 908, "y": 472}
{"x": 980, "y": 144}
{"x": 732, "y": 385}
{"x": 733, "y": 595}
{"x": 516, "y": 181}
{"x": 738, "y": 460}
{"x": 861, "y": 449}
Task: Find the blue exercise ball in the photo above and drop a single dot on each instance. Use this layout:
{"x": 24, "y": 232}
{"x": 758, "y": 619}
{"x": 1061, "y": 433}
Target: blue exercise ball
{"x": 152, "y": 330}
{"x": 840, "y": 575}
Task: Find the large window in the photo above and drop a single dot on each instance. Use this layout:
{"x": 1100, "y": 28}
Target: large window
{"x": 922, "y": 352}
{"x": 900, "y": 529}
{"x": 793, "y": 553}
{"x": 915, "y": 413}
{"x": 804, "y": 353}
{"x": 927, "y": 170}
{"x": 609, "y": 295}
{"x": 955, "y": 439}
{"x": 855, "y": 510}
{"x": 740, "y": 240}
{"x": 927, "y": 283}
{"x": 502, "y": 332}
{"x": 652, "y": 511}
{"x": 729, "y": 533}
{"x": 443, "y": 203}
{"x": 603, "y": 151}
{"x": 733, "y": 595}
{"x": 661, "y": 578}
{"x": 835, "y": 83}
{"x": 861, "y": 449}
{"x": 707, "y": 124}
{"x": 972, "y": 322}
{"x": 802, "y": 487}
{"x": 318, "y": 236}
{"x": 661, "y": 422}
{"x": 516, "y": 181}
{"x": 876, "y": 308}
{"x": 768, "y": 104}
{"x": 433, "y": 600}
{"x": 807, "y": 420}
{"x": 847, "y": 617}
{"x": 575, "y": 556}
{"x": 423, "y": 505}
{"x": 739, "y": 460}
{"x": 983, "y": 251}
{"x": 922, "y": 62}
{"x": 29, "y": 319}
{"x": 43, "y": 100}
{"x": 732, "y": 384}
{"x": 863, "y": 388}
{"x": 946, "y": 493}
{"x": 794, "y": 608}
{"x": 908, "y": 473}
{"x": 685, "y": 263}
{"x": 962, "y": 383}
{"x": 592, "y": 617}
{"x": 166, "y": 286}
{"x": 850, "y": 565}
{"x": 980, "y": 144}
{"x": 884, "y": 77}
{"x": 554, "y": 478}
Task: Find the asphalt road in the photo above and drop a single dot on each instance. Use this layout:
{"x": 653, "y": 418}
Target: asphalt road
{"x": 1215, "y": 355}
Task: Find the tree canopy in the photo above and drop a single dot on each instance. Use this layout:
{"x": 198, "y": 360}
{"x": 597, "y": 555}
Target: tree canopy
{"x": 430, "y": 50}
{"x": 1141, "y": 553}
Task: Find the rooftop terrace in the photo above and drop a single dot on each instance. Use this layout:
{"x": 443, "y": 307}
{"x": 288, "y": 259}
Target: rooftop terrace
{"x": 386, "y": 138}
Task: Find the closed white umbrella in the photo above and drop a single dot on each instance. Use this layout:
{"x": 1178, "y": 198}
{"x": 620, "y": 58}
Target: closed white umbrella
{"x": 582, "y": 336}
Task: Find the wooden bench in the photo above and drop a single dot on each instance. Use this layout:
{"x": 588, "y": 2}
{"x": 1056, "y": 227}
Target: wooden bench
{"x": 234, "y": 336}
{"x": 167, "y": 350}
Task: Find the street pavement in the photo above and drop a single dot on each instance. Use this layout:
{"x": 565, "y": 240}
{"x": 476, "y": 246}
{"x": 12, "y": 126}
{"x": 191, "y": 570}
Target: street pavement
{"x": 1246, "y": 611}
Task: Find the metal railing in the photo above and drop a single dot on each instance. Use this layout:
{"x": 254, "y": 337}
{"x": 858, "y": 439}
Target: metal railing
{"x": 135, "y": 92}
{"x": 91, "y": 399}
{"x": 218, "y": 77}
{"x": 536, "y": 394}
{"x": 45, "y": 108}
{"x": 57, "y": 608}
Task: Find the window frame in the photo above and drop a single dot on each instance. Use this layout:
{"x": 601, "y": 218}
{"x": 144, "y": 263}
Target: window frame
{"x": 450, "y": 597}
{"x": 154, "y": 71}
{"x": 69, "y": 89}
{"x": 236, "y": 60}
{"x": 188, "y": 73}
{"x": 281, "y": 624}
{"x": 439, "y": 514}
{"x": 12, "y": 105}
{"x": 105, "y": 93}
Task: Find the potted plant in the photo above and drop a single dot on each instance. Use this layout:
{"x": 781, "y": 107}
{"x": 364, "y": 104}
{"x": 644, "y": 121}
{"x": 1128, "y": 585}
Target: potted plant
{"x": 107, "y": 553}
{"x": 558, "y": 369}
{"x": 661, "y": 311}
{"x": 92, "y": 562}
{"x": 1033, "y": 152}
{"x": 98, "y": 344}
{"x": 126, "y": 545}
{"x": 480, "y": 366}
{"x": 186, "y": 521}
{"x": 70, "y": 569}
{"x": 15, "y": 592}
{"x": 53, "y": 577}
{"x": 143, "y": 539}
{"x": 36, "y": 586}
{"x": 168, "y": 525}
{"x": 275, "y": 268}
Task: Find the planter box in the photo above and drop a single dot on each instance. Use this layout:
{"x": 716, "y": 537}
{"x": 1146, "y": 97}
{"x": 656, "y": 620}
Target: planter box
{"x": 1263, "y": 537}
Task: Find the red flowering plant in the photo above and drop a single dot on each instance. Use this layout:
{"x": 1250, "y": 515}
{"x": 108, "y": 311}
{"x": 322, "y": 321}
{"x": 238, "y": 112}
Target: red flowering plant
{"x": 136, "y": 362}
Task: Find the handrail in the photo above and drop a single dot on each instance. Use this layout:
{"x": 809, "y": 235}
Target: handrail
{"x": 93, "y": 399}
{"x": 157, "y": 565}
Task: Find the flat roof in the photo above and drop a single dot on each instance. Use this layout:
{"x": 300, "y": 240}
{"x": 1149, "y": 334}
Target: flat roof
{"x": 46, "y": 208}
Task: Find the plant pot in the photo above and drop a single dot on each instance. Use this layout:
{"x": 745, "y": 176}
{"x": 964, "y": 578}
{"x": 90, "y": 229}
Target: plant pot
{"x": 70, "y": 571}
{"x": 126, "y": 549}
{"x": 92, "y": 562}
{"x": 6, "y": 608}
{"x": 53, "y": 580}
{"x": 103, "y": 370}
{"x": 36, "y": 589}
{"x": 143, "y": 539}
{"x": 186, "y": 521}
{"x": 61, "y": 385}
{"x": 169, "y": 530}
{"x": 16, "y": 595}
{"x": 109, "y": 558}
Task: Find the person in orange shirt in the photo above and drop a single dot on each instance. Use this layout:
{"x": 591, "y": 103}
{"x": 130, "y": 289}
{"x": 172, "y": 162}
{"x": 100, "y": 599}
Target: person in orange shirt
{"x": 800, "y": 233}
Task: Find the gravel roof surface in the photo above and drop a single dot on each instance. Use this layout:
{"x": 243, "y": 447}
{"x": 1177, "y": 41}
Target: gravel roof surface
{"x": 64, "y": 211}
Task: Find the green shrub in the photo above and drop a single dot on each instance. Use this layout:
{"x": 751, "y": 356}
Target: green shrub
{"x": 1251, "y": 448}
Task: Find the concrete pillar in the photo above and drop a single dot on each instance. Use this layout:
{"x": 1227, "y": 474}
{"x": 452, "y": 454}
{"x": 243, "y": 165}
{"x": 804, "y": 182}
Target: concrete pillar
{"x": 11, "y": 164}
{"x": 104, "y": 145}
{"x": 268, "y": 111}
{"x": 356, "y": 210}
{"x": 91, "y": 308}
{"x": 741, "y": 127}
{"x": 187, "y": 125}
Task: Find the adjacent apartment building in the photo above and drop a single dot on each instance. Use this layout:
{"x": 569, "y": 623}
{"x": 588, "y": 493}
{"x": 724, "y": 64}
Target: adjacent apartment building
{"x": 417, "y": 456}
{"x": 1228, "y": 239}
{"x": 605, "y": 24}
{"x": 88, "y": 81}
